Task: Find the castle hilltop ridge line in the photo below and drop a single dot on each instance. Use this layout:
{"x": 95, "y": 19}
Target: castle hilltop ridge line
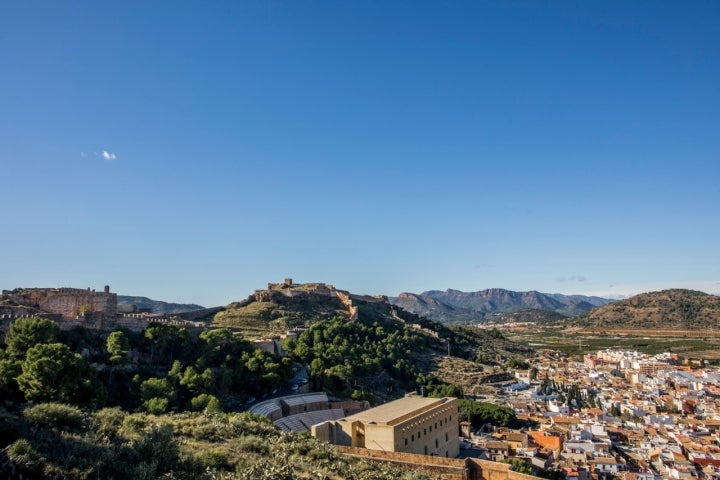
{"x": 287, "y": 289}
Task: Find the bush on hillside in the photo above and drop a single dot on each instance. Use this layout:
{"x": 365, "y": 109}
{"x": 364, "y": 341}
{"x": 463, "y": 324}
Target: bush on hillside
{"x": 55, "y": 416}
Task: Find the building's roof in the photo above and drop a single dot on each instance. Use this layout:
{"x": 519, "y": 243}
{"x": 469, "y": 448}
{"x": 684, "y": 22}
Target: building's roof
{"x": 305, "y": 399}
{"x": 304, "y": 421}
{"x": 265, "y": 408}
{"x": 516, "y": 437}
{"x": 399, "y": 410}
{"x": 496, "y": 445}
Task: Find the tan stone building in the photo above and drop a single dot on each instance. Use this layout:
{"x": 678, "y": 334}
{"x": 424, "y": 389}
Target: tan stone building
{"x": 426, "y": 426}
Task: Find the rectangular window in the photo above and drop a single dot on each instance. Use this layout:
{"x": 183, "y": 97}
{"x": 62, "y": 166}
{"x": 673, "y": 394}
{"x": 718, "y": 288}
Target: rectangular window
{"x": 405, "y": 440}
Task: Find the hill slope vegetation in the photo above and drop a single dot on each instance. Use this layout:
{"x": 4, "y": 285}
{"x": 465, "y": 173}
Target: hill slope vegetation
{"x": 370, "y": 349}
{"x": 675, "y": 309}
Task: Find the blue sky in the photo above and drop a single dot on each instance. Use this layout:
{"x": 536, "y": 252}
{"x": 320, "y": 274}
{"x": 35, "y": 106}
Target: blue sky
{"x": 194, "y": 151}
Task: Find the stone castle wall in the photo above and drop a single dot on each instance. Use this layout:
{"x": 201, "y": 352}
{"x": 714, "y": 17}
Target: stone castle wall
{"x": 348, "y": 304}
{"x": 70, "y": 303}
{"x": 446, "y": 468}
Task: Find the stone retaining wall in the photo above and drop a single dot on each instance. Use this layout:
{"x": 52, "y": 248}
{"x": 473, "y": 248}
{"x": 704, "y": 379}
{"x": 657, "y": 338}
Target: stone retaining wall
{"x": 440, "y": 467}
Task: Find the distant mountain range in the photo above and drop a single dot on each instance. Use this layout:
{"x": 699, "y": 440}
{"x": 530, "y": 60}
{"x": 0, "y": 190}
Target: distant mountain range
{"x": 126, "y": 303}
{"x": 454, "y": 306}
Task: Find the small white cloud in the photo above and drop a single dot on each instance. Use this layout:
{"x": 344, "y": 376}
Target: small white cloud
{"x": 108, "y": 156}
{"x": 483, "y": 266}
{"x": 83, "y": 154}
{"x": 571, "y": 278}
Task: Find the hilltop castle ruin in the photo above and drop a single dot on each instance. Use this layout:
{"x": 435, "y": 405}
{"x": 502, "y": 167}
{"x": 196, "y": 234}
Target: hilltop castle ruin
{"x": 91, "y": 308}
{"x": 280, "y": 292}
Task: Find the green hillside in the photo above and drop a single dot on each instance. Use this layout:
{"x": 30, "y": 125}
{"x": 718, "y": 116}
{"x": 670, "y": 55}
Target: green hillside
{"x": 675, "y": 309}
{"x": 374, "y": 349}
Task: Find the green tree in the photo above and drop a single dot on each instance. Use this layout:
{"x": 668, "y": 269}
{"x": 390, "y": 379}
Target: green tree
{"x": 10, "y": 368}
{"x": 156, "y": 388}
{"x": 168, "y": 342}
{"x": 156, "y": 405}
{"x": 197, "y": 382}
{"x": 26, "y": 332}
{"x": 480, "y": 413}
{"x": 446, "y": 390}
{"x": 118, "y": 347}
{"x": 220, "y": 346}
{"x": 207, "y": 403}
{"x": 519, "y": 465}
{"x": 52, "y": 372}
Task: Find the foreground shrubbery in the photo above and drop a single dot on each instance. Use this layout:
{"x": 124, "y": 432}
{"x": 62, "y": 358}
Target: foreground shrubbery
{"x": 162, "y": 369}
{"x": 57, "y": 441}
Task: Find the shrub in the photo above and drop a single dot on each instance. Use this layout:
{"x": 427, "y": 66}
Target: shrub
{"x": 55, "y": 415}
{"x": 24, "y": 459}
{"x": 214, "y": 459}
{"x": 107, "y": 422}
{"x": 158, "y": 448}
{"x": 205, "y": 403}
{"x": 254, "y": 444}
{"x": 249, "y": 423}
{"x": 156, "y": 405}
{"x": 133, "y": 424}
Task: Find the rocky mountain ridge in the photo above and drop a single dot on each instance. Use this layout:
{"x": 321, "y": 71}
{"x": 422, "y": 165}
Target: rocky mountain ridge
{"x": 455, "y": 306}
{"x": 127, "y": 302}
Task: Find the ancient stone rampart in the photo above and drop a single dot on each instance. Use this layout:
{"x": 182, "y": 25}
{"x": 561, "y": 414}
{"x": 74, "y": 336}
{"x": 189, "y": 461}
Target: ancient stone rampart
{"x": 70, "y": 303}
{"x": 445, "y": 468}
{"x": 73, "y": 307}
{"x": 348, "y": 304}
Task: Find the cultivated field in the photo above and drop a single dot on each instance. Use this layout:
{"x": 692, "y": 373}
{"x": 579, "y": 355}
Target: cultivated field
{"x": 690, "y": 344}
